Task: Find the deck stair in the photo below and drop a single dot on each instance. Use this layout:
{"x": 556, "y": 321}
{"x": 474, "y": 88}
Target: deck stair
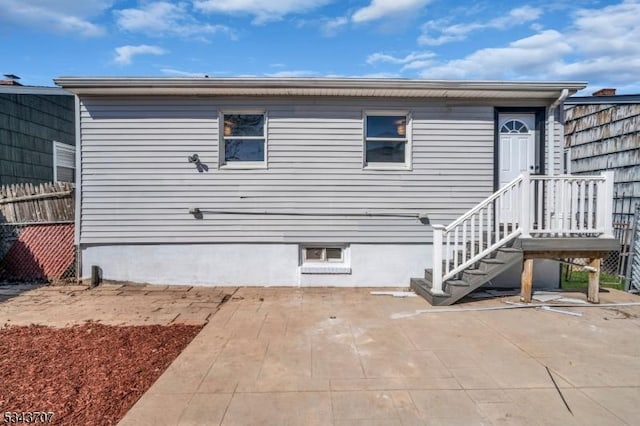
{"x": 488, "y": 239}
{"x": 470, "y": 279}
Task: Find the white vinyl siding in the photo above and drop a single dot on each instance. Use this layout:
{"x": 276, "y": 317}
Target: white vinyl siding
{"x": 138, "y": 187}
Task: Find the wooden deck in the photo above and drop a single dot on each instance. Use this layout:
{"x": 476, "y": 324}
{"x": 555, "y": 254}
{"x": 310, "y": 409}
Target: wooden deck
{"x": 594, "y": 249}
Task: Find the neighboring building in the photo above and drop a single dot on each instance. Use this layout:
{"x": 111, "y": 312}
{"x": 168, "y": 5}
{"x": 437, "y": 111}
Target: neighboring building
{"x": 37, "y": 133}
{"x": 308, "y": 181}
{"x": 602, "y": 132}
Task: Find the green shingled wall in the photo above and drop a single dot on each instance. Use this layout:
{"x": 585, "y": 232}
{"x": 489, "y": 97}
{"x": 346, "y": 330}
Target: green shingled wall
{"x": 28, "y": 125}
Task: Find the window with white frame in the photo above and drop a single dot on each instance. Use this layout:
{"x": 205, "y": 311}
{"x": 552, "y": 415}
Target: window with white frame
{"x": 325, "y": 259}
{"x": 323, "y": 254}
{"x": 386, "y": 139}
{"x": 64, "y": 162}
{"x": 243, "y": 139}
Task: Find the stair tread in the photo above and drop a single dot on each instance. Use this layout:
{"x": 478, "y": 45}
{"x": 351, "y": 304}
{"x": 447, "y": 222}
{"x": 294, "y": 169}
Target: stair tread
{"x": 423, "y": 288}
{"x": 469, "y": 279}
{"x": 509, "y": 250}
{"x": 492, "y": 260}
{"x": 457, "y": 283}
{"x": 474, "y": 272}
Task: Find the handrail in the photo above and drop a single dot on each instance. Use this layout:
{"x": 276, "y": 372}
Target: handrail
{"x": 568, "y": 177}
{"x": 483, "y": 203}
{"x": 561, "y": 205}
{"x": 482, "y": 254}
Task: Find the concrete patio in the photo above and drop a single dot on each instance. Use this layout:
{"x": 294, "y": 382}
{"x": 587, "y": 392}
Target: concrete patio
{"x": 112, "y": 304}
{"x": 346, "y": 357}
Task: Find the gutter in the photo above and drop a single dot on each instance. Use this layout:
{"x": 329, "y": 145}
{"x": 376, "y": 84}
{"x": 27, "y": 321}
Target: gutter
{"x": 551, "y": 130}
{"x": 314, "y": 86}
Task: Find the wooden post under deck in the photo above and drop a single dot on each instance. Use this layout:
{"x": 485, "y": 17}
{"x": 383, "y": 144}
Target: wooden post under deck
{"x": 594, "y": 249}
{"x": 593, "y": 295}
{"x": 526, "y": 281}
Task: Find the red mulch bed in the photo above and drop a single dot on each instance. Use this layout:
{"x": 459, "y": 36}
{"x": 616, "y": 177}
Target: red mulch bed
{"x": 86, "y": 375}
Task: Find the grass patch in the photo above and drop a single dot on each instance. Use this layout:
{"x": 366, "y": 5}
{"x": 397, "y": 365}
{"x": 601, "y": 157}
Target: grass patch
{"x": 580, "y": 280}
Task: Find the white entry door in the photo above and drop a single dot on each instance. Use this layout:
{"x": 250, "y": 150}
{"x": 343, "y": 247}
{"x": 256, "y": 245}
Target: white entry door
{"x": 516, "y": 154}
{"x": 517, "y": 146}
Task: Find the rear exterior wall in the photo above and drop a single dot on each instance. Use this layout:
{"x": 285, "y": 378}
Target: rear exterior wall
{"x": 138, "y": 186}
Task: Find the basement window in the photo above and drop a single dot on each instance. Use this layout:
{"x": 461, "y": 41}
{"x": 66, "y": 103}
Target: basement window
{"x": 325, "y": 260}
{"x": 323, "y": 254}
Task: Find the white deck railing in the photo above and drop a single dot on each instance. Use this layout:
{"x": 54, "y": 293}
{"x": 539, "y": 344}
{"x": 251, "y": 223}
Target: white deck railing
{"x": 529, "y": 206}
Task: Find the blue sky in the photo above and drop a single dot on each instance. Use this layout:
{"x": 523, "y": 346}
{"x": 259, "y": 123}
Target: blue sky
{"x": 595, "y": 41}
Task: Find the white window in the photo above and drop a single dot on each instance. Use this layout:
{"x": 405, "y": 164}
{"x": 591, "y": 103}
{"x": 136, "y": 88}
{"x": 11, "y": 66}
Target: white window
{"x": 323, "y": 254}
{"x": 320, "y": 259}
{"x": 64, "y": 162}
{"x": 387, "y": 140}
{"x": 243, "y": 139}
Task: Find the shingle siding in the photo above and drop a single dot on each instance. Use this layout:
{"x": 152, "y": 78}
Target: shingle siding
{"x": 28, "y": 125}
{"x": 138, "y": 187}
{"x": 606, "y": 137}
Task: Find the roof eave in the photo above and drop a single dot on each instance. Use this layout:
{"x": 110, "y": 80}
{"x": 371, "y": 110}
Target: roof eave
{"x": 312, "y": 86}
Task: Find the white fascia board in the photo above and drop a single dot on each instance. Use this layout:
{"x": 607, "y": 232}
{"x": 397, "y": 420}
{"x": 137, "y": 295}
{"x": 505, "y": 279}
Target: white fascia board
{"x": 315, "y": 87}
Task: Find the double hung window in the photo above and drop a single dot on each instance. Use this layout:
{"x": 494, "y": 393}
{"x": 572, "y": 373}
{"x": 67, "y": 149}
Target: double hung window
{"x": 244, "y": 139}
{"x": 386, "y": 140}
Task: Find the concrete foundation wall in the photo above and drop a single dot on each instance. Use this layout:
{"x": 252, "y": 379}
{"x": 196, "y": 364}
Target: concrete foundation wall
{"x": 374, "y": 265}
{"x": 368, "y": 265}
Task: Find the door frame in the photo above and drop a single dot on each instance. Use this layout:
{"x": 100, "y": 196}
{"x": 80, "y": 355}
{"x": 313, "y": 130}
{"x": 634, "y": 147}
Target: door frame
{"x": 539, "y": 138}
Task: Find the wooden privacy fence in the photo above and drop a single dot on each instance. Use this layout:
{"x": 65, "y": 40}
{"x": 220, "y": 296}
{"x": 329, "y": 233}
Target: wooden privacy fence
{"x": 46, "y": 202}
{"x": 36, "y": 232}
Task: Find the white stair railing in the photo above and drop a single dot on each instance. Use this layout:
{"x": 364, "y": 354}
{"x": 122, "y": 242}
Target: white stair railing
{"x": 528, "y": 206}
{"x": 572, "y": 205}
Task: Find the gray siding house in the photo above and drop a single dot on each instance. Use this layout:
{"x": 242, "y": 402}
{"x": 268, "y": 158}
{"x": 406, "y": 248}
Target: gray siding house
{"x": 298, "y": 182}
{"x": 37, "y": 134}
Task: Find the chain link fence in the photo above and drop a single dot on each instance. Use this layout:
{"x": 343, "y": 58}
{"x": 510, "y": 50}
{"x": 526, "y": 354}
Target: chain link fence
{"x": 37, "y": 233}
{"x": 616, "y": 266}
{"x": 633, "y": 284}
{"x": 37, "y": 252}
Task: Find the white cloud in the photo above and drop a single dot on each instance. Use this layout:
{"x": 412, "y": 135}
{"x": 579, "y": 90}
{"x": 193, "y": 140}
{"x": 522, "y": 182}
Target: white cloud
{"x": 613, "y": 30}
{"x": 384, "y": 8}
{"x": 262, "y": 10}
{"x": 598, "y": 45}
{"x": 448, "y": 33}
{"x": 530, "y": 57}
{"x": 125, "y": 54}
{"x": 179, "y": 73}
{"x": 292, "y": 73}
{"x": 331, "y": 26}
{"x": 164, "y": 18}
{"x": 58, "y": 16}
{"x": 414, "y": 60}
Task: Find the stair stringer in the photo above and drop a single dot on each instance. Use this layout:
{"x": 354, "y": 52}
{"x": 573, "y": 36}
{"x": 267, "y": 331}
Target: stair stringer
{"x": 470, "y": 279}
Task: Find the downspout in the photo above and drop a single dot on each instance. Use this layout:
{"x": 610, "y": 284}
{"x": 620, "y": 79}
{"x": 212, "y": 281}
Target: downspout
{"x": 551, "y": 150}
